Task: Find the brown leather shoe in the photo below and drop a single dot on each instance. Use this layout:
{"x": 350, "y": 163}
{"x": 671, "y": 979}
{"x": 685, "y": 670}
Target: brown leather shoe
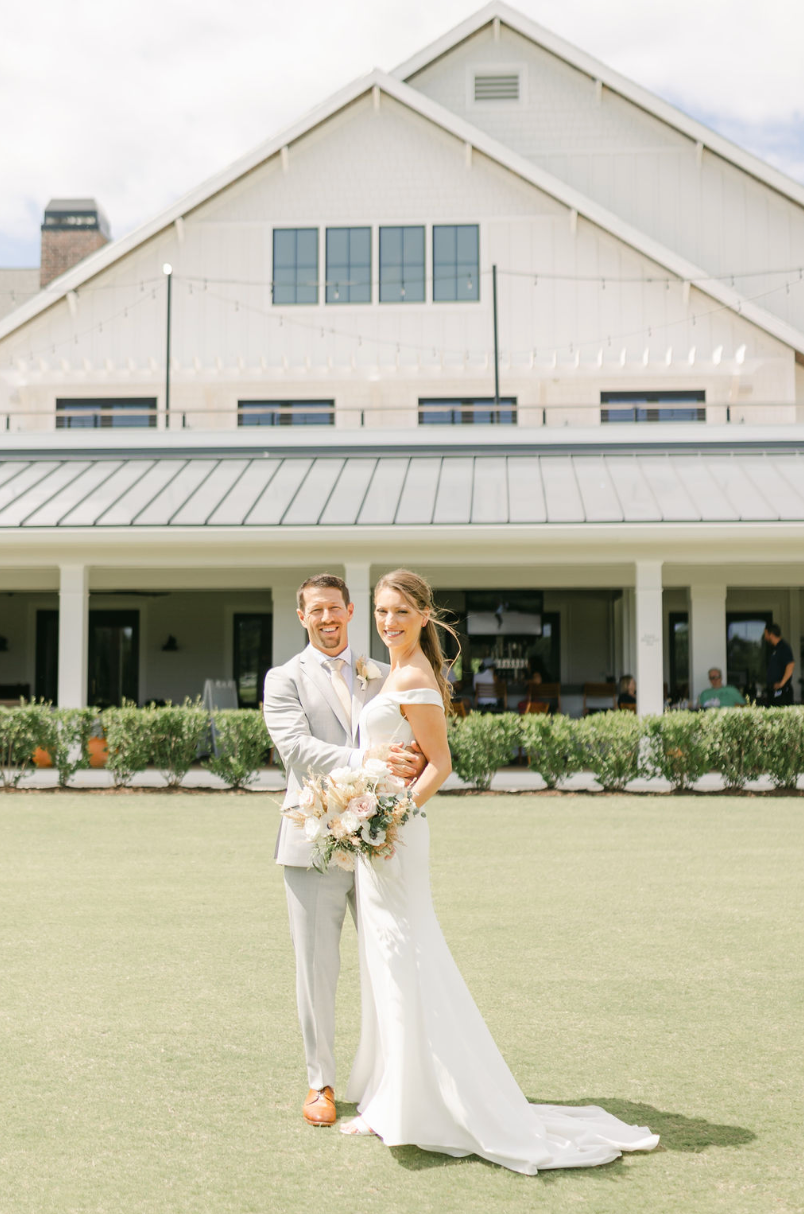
{"x": 319, "y": 1107}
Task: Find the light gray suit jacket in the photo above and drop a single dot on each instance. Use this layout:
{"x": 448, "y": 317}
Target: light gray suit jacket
{"x": 308, "y": 726}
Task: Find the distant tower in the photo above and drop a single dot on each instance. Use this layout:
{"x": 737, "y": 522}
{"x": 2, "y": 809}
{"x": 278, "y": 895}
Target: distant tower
{"x": 73, "y": 228}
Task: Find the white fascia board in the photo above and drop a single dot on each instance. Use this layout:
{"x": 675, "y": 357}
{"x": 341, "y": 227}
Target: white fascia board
{"x": 612, "y": 80}
{"x": 93, "y": 265}
{"x": 684, "y": 270}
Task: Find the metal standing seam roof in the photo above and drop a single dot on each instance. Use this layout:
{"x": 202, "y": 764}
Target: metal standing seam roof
{"x": 399, "y": 490}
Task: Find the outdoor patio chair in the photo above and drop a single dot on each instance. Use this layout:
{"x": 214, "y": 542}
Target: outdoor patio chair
{"x": 599, "y": 691}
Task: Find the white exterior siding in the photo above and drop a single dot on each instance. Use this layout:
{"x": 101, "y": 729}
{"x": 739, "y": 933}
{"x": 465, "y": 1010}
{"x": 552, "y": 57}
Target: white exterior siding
{"x": 637, "y": 166}
{"x": 568, "y": 327}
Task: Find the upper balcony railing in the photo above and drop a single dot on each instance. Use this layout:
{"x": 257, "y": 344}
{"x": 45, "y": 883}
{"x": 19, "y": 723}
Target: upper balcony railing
{"x": 509, "y": 414}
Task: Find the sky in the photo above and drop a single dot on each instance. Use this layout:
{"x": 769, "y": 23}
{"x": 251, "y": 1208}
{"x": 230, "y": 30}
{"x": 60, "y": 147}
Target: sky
{"x": 138, "y": 101}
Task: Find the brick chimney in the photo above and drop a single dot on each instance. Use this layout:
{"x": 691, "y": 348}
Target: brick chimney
{"x": 73, "y": 228}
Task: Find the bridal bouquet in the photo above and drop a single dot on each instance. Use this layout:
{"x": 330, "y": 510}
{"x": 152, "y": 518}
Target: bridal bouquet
{"x": 353, "y": 812}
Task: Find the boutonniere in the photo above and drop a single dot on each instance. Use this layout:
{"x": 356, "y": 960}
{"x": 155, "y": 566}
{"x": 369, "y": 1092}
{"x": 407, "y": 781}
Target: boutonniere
{"x": 366, "y": 670}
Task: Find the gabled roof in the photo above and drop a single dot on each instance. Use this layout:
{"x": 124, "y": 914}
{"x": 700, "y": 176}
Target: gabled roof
{"x": 663, "y": 110}
{"x": 519, "y": 165}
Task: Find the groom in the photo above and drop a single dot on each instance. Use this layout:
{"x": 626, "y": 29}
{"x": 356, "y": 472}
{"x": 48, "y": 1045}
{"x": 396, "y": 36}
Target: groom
{"x": 312, "y": 705}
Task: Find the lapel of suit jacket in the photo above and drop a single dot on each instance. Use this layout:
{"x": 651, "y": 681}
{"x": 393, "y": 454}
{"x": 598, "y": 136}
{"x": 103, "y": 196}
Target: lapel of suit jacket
{"x": 316, "y": 673}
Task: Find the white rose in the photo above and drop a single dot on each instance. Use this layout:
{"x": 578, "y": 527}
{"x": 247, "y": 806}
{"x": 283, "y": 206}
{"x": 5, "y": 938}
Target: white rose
{"x": 350, "y": 821}
{"x": 344, "y": 775}
{"x": 313, "y": 827}
{"x": 372, "y": 671}
{"x": 375, "y": 769}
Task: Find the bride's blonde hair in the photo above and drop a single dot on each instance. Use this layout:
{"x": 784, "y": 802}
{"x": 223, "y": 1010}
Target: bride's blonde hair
{"x": 419, "y": 594}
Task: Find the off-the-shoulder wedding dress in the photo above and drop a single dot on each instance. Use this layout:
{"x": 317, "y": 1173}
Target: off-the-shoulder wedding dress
{"x": 427, "y": 1071}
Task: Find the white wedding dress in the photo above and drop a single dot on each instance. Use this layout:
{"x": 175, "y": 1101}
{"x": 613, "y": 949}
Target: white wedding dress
{"x": 427, "y": 1071}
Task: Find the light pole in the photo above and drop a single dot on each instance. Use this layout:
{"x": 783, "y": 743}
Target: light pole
{"x": 496, "y": 346}
{"x": 167, "y": 270}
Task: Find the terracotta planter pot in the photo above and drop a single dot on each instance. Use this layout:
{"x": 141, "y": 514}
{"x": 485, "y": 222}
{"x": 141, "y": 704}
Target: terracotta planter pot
{"x": 98, "y": 752}
{"x": 42, "y": 758}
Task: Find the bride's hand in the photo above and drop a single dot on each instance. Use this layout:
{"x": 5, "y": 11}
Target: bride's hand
{"x": 406, "y": 762}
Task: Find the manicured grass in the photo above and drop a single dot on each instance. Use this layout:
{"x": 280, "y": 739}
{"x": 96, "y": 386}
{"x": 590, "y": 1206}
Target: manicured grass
{"x": 643, "y": 953}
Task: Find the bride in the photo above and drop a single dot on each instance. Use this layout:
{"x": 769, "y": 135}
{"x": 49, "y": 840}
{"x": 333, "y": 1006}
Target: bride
{"x": 427, "y": 1071}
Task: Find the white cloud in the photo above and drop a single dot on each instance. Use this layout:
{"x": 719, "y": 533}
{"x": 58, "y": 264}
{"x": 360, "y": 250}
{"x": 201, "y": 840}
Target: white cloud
{"x": 137, "y": 102}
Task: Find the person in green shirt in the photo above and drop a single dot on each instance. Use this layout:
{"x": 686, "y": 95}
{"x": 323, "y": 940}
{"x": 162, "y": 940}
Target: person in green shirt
{"x": 718, "y": 696}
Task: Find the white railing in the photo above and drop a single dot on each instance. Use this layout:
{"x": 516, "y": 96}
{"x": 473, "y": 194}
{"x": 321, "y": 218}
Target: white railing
{"x": 516, "y": 416}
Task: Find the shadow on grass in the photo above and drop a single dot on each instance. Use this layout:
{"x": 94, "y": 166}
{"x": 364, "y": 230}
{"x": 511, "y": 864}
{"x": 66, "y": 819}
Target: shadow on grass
{"x": 677, "y": 1133}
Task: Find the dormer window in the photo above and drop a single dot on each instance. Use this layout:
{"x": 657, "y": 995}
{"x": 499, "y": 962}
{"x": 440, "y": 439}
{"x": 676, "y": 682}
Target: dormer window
{"x": 496, "y": 84}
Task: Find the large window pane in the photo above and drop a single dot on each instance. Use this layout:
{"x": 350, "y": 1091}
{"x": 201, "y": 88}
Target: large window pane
{"x": 348, "y": 265}
{"x": 653, "y": 406}
{"x": 474, "y": 411}
{"x": 456, "y": 262}
{"x": 402, "y": 265}
{"x": 105, "y": 413}
{"x": 286, "y": 413}
{"x": 295, "y": 272}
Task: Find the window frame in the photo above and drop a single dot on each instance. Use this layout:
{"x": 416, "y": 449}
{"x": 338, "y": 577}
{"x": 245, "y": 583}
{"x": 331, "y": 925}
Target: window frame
{"x": 286, "y": 412}
{"x": 314, "y": 286}
{"x": 333, "y": 290}
{"x": 654, "y": 401}
{"x": 89, "y": 417}
{"x": 403, "y": 228}
{"x": 457, "y": 297}
{"x": 466, "y": 416}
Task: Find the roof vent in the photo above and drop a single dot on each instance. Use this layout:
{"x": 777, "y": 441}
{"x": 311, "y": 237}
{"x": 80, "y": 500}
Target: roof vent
{"x": 496, "y": 86}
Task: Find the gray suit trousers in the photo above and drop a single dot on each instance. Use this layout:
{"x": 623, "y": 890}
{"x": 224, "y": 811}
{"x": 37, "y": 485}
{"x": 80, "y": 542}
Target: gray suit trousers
{"x": 317, "y": 905}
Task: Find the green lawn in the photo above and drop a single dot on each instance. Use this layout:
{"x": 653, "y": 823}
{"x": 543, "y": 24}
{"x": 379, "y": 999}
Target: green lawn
{"x": 643, "y": 953}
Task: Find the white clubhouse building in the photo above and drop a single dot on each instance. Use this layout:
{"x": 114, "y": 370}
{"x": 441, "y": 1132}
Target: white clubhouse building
{"x": 630, "y": 498}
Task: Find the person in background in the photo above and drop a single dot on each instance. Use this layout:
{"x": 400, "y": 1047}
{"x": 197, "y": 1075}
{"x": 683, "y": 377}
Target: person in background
{"x": 780, "y": 667}
{"x": 483, "y": 683}
{"x": 719, "y": 694}
{"x": 627, "y": 696}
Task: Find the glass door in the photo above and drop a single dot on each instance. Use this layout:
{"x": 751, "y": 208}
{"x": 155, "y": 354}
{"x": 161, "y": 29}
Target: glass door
{"x": 253, "y": 636}
{"x": 46, "y": 680}
{"x": 114, "y": 657}
{"x": 747, "y": 650}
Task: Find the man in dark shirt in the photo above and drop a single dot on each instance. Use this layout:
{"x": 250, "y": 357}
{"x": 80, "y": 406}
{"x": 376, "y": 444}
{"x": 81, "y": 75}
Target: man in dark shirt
{"x": 780, "y": 667}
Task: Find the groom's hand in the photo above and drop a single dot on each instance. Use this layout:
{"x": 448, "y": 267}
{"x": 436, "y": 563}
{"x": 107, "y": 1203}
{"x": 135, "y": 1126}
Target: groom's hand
{"x": 407, "y": 763}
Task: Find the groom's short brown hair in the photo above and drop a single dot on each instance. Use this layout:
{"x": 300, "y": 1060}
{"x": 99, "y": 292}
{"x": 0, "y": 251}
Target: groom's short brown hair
{"x": 323, "y": 581}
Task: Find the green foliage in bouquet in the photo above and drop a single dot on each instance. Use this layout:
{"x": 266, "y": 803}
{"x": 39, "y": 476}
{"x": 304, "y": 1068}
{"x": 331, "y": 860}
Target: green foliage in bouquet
{"x": 69, "y": 747}
{"x": 21, "y": 731}
{"x": 610, "y": 745}
{"x": 177, "y": 734}
{"x": 482, "y": 743}
{"x": 783, "y": 745}
{"x": 551, "y": 746}
{"x": 737, "y": 743}
{"x": 129, "y": 738}
{"x": 678, "y": 747}
{"x": 242, "y": 745}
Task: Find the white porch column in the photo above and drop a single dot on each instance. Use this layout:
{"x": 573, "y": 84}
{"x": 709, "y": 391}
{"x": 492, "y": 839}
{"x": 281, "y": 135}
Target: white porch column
{"x": 73, "y": 635}
{"x": 289, "y": 638}
{"x": 707, "y": 634}
{"x": 649, "y": 671}
{"x": 357, "y": 576}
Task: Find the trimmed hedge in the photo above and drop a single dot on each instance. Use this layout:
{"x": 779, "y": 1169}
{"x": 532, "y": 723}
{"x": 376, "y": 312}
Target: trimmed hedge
{"x": 740, "y": 744}
{"x": 168, "y": 738}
